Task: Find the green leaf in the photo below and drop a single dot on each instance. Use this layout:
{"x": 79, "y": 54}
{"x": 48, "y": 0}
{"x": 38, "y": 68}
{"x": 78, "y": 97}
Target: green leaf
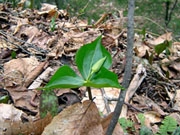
{"x": 103, "y": 78}
{"x": 145, "y": 131}
{"x": 89, "y": 54}
{"x": 13, "y": 54}
{"x": 177, "y": 131}
{"x": 169, "y": 124}
{"x": 48, "y": 103}
{"x": 161, "y": 47}
{"x": 125, "y": 124}
{"x": 143, "y": 32}
{"x": 64, "y": 77}
{"x": 4, "y": 99}
{"x": 141, "y": 118}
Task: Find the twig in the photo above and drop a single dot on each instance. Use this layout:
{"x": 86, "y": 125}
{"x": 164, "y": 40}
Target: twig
{"x": 129, "y": 105}
{"x": 105, "y": 101}
{"x": 24, "y": 50}
{"x": 101, "y": 19}
{"x": 42, "y": 51}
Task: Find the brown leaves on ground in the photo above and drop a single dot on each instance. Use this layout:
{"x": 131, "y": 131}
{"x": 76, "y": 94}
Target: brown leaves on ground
{"x": 15, "y": 121}
{"x": 80, "y": 119}
{"x": 39, "y": 52}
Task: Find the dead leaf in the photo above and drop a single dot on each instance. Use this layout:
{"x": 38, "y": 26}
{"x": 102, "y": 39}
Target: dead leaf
{"x": 176, "y": 116}
{"x": 78, "y": 119}
{"x": 34, "y": 73}
{"x": 152, "y": 117}
{"x": 162, "y": 38}
{"x": 23, "y": 98}
{"x": 141, "y": 50}
{"x": 177, "y": 99}
{"x": 175, "y": 49}
{"x": 20, "y": 23}
{"x": 16, "y": 71}
{"x": 105, "y": 123}
{"x": 11, "y": 122}
{"x": 49, "y": 9}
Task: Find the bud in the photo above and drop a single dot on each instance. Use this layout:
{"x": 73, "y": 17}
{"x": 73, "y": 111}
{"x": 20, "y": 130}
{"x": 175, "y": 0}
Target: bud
{"x": 98, "y": 65}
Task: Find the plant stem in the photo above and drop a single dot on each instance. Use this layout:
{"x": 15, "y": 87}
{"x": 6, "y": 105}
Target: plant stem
{"x": 89, "y": 93}
{"x": 32, "y": 4}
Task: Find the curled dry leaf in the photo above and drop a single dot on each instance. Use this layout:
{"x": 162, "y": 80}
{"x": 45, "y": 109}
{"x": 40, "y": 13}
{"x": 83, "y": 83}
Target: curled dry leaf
{"x": 141, "y": 50}
{"x": 49, "y": 9}
{"x": 172, "y": 66}
{"x": 27, "y": 100}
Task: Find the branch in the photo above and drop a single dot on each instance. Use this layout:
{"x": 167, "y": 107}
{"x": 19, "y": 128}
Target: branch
{"x": 128, "y": 67}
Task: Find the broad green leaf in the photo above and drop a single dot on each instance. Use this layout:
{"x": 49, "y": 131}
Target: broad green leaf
{"x": 161, "y": 47}
{"x": 48, "y": 103}
{"x": 103, "y": 78}
{"x": 89, "y": 54}
{"x": 64, "y": 77}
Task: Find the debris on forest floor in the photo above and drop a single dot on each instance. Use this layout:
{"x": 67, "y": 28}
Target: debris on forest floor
{"x": 31, "y": 51}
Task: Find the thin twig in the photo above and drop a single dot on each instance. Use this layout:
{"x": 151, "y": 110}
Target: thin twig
{"x": 22, "y": 41}
{"x": 105, "y": 100}
{"x": 129, "y": 105}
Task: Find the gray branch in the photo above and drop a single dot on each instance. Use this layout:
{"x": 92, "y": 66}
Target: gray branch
{"x": 128, "y": 67}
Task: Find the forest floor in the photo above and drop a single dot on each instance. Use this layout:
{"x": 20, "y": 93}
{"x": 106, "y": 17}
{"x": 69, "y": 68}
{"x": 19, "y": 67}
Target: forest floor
{"x": 35, "y": 43}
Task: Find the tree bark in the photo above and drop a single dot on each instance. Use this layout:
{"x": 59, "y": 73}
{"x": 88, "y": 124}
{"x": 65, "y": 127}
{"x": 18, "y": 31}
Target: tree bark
{"x": 128, "y": 67}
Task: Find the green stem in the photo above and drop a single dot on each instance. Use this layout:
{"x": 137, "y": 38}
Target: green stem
{"x": 32, "y": 4}
{"x": 89, "y": 93}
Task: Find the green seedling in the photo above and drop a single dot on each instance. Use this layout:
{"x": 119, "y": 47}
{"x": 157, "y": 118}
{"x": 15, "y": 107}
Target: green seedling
{"x": 53, "y": 24}
{"x": 143, "y": 129}
{"x": 143, "y": 32}
{"x": 93, "y": 62}
{"x": 4, "y": 99}
{"x": 169, "y": 126}
{"x": 126, "y": 124}
{"x": 165, "y": 46}
{"x": 13, "y": 54}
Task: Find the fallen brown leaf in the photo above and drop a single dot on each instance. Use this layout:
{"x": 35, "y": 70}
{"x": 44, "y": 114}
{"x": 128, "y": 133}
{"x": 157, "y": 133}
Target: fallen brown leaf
{"x": 78, "y": 119}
